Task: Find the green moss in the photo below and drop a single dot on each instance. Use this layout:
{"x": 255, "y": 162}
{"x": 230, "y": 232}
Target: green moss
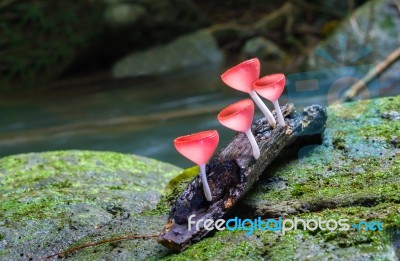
{"x": 42, "y": 185}
{"x": 80, "y": 165}
{"x": 350, "y": 111}
{"x": 388, "y": 104}
{"x": 339, "y": 141}
{"x": 224, "y": 245}
{"x": 342, "y": 181}
{"x": 296, "y": 244}
{"x": 355, "y": 166}
{"x": 180, "y": 181}
{"x": 40, "y": 207}
{"x": 372, "y": 242}
{"x": 173, "y": 189}
{"x": 386, "y": 131}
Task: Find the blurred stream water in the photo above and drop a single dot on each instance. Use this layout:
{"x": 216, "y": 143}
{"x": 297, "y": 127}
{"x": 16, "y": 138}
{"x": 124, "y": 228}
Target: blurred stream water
{"x": 143, "y": 118}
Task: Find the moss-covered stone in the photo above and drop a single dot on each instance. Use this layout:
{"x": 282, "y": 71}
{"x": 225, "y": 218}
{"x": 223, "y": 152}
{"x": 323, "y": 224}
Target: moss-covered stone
{"x": 354, "y": 174}
{"x": 52, "y": 200}
{"x": 57, "y": 200}
{"x": 304, "y": 245}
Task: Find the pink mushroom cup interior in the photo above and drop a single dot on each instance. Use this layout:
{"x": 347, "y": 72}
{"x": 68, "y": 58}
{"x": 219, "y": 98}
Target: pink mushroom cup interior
{"x": 198, "y": 147}
{"x": 238, "y": 116}
{"x": 242, "y": 76}
{"x": 270, "y": 86}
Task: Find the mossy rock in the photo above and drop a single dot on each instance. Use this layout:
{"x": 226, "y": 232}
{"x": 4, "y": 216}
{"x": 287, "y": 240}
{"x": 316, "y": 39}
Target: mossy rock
{"x": 51, "y": 200}
{"x": 57, "y": 200}
{"x": 354, "y": 174}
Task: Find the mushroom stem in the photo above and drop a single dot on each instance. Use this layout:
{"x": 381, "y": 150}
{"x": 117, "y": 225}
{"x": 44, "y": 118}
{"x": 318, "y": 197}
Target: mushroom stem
{"x": 206, "y": 188}
{"x": 253, "y": 142}
{"x": 281, "y": 120}
{"x": 267, "y": 113}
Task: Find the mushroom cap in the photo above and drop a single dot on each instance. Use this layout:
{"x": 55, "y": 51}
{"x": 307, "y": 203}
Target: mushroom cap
{"x": 198, "y": 147}
{"x": 242, "y": 76}
{"x": 238, "y": 116}
{"x": 271, "y": 86}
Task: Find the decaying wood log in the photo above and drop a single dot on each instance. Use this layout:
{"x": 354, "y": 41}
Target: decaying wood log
{"x": 232, "y": 172}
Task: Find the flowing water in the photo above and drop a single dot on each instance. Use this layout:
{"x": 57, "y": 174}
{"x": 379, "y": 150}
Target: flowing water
{"x": 143, "y": 118}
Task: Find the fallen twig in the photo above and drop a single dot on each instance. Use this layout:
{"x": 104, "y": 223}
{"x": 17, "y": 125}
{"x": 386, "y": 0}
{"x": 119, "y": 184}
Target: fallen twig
{"x": 378, "y": 69}
{"x": 104, "y": 241}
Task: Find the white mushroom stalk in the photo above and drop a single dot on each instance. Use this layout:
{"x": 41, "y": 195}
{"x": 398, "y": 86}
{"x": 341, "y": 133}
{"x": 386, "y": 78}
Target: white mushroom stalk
{"x": 271, "y": 87}
{"x": 267, "y": 113}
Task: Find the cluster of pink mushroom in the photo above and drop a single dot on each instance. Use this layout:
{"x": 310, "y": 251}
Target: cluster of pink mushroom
{"x": 200, "y": 146}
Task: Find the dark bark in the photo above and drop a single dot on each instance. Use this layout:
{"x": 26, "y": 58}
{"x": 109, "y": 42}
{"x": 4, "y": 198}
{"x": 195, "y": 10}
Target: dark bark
{"x": 233, "y": 170}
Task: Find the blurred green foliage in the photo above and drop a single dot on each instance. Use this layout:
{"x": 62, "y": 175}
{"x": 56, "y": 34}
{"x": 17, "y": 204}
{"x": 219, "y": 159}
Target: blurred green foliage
{"x": 40, "y": 38}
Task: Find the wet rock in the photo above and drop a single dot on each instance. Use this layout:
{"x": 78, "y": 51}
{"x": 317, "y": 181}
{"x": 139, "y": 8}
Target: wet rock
{"x": 392, "y": 115}
{"x": 227, "y": 33}
{"x": 52, "y": 200}
{"x": 124, "y": 14}
{"x": 365, "y": 182}
{"x": 190, "y": 50}
{"x": 396, "y": 142}
{"x": 358, "y": 184}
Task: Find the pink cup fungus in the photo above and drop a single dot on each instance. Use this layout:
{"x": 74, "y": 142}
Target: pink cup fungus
{"x": 199, "y": 147}
{"x": 241, "y": 78}
{"x": 271, "y": 88}
{"x": 239, "y": 116}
